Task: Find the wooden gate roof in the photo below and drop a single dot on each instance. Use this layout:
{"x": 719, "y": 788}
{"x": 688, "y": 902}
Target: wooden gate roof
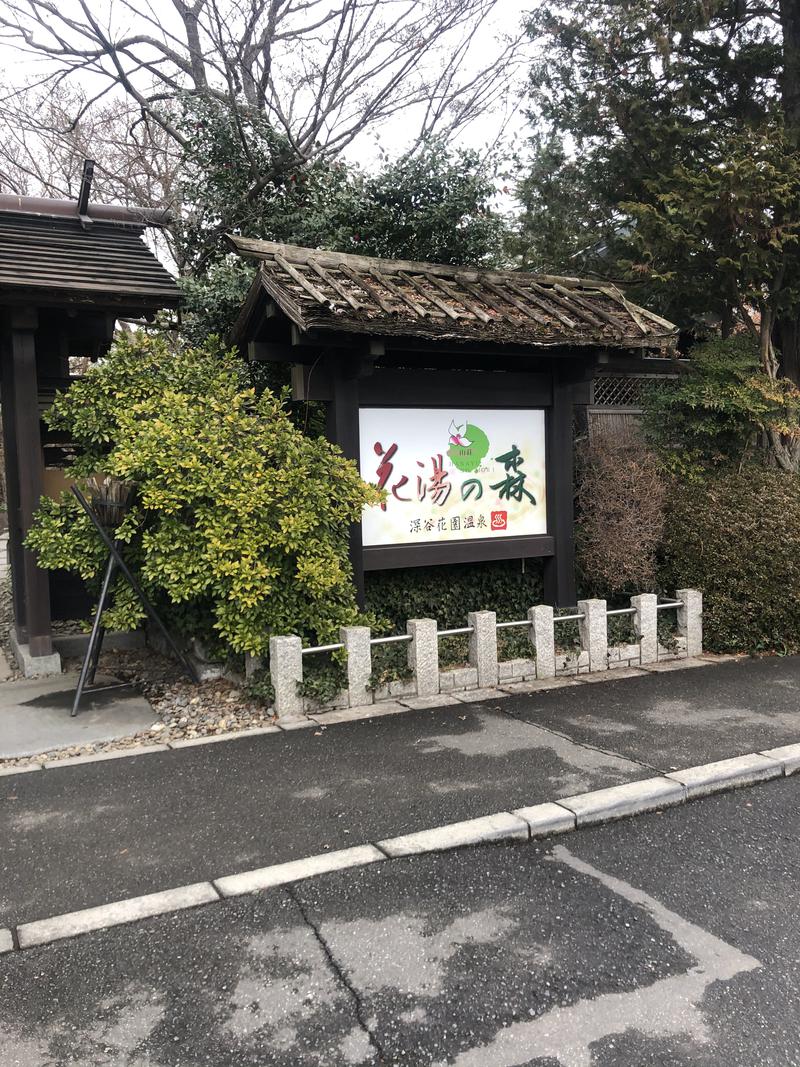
{"x": 58, "y": 259}
{"x": 360, "y": 294}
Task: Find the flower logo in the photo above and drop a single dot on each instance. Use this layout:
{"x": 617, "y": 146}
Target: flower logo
{"x": 468, "y": 445}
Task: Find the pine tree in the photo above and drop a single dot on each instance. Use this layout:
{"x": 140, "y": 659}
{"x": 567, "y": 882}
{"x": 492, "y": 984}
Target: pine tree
{"x": 681, "y": 122}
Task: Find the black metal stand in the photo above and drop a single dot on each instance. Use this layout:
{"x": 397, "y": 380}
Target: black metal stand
{"x": 115, "y": 561}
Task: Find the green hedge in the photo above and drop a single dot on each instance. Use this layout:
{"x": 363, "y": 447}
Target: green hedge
{"x": 737, "y": 537}
{"x": 447, "y": 593}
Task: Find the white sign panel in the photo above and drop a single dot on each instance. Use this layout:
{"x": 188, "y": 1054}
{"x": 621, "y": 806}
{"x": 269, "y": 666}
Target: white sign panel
{"x": 453, "y": 474}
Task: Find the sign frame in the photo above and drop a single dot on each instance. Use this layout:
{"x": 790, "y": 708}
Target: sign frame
{"x": 459, "y": 550}
{"x": 548, "y": 382}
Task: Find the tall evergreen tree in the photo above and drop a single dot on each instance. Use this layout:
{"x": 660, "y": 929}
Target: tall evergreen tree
{"x": 681, "y": 120}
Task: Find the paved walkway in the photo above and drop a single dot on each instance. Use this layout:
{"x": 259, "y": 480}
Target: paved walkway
{"x": 35, "y": 714}
{"x": 77, "y": 836}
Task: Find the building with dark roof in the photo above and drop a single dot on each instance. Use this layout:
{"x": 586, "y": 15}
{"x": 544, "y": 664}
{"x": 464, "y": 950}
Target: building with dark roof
{"x": 68, "y": 271}
{"x": 388, "y": 344}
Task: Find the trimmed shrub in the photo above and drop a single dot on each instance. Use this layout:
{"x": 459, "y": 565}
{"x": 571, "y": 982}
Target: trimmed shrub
{"x": 736, "y": 536}
{"x": 447, "y": 593}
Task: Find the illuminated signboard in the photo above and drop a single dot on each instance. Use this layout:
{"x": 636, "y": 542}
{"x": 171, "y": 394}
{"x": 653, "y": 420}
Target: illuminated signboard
{"x": 453, "y": 475}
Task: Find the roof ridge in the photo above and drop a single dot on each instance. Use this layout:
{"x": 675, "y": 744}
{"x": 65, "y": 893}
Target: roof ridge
{"x": 118, "y": 214}
{"x": 299, "y": 254}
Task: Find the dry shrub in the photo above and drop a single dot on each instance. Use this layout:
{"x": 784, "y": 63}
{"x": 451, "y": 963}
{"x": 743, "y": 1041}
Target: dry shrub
{"x": 621, "y": 511}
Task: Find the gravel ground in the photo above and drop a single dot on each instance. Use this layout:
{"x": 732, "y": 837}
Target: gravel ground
{"x": 181, "y": 709}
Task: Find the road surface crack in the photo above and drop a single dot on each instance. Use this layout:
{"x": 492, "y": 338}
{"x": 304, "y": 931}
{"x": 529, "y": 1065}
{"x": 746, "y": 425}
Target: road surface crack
{"x": 340, "y": 975}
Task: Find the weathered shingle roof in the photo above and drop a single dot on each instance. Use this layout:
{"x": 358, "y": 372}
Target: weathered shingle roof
{"x": 64, "y": 261}
{"x": 360, "y": 294}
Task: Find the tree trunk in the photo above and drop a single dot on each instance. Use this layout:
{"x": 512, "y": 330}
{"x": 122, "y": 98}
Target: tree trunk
{"x": 769, "y": 361}
{"x": 790, "y": 83}
{"x": 787, "y": 341}
{"x": 787, "y": 331}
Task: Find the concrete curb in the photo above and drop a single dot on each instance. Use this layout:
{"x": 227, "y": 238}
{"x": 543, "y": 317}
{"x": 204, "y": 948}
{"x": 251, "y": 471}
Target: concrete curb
{"x": 475, "y": 696}
{"x": 787, "y": 755}
{"x": 101, "y": 757}
{"x": 502, "y": 826}
{"x": 44, "y": 931}
{"x": 213, "y": 739}
{"x": 546, "y": 819}
{"x": 7, "y": 772}
{"x": 728, "y": 774}
{"x": 237, "y": 885}
{"x": 441, "y": 700}
{"x": 367, "y": 711}
{"x": 665, "y": 665}
{"x": 633, "y": 798}
{"x": 531, "y": 823}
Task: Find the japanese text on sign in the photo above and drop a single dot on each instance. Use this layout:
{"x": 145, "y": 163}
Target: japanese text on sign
{"x": 453, "y": 475}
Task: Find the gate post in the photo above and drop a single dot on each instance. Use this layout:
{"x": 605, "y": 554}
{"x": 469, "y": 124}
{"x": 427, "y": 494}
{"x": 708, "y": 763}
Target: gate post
{"x": 594, "y": 633}
{"x": 423, "y": 655}
{"x": 542, "y": 634}
{"x": 483, "y": 647}
{"x": 690, "y": 620}
{"x": 359, "y": 664}
{"x": 645, "y": 626}
{"x": 286, "y": 671}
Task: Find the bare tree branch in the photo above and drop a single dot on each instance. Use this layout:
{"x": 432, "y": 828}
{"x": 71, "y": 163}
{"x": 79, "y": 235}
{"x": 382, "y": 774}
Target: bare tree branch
{"x": 321, "y": 71}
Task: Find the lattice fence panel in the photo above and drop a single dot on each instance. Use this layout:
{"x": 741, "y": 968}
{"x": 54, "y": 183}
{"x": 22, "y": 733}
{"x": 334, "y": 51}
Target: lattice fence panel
{"x": 624, "y": 391}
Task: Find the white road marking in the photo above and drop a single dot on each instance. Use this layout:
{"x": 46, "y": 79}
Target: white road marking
{"x": 668, "y": 1007}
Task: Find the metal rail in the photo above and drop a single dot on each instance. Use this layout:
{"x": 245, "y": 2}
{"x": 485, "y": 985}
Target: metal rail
{"x": 666, "y": 605}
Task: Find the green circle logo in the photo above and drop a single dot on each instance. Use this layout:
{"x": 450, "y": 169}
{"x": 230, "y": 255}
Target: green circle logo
{"x": 468, "y": 446}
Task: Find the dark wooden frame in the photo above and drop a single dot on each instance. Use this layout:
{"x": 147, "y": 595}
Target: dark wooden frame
{"x": 551, "y": 384}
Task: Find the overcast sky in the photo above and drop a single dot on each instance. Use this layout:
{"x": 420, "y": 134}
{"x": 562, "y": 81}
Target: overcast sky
{"x": 20, "y": 68}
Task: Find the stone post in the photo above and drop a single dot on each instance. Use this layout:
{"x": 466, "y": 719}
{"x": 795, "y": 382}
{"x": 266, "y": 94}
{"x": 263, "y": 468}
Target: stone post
{"x": 594, "y": 633}
{"x": 645, "y": 625}
{"x": 359, "y": 664}
{"x": 543, "y": 639}
{"x": 286, "y": 671}
{"x": 423, "y": 655}
{"x": 690, "y": 620}
{"x": 483, "y": 647}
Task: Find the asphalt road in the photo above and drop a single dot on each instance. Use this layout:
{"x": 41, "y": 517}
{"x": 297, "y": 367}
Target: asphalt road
{"x": 79, "y": 836}
{"x": 681, "y": 718}
{"x": 668, "y": 939}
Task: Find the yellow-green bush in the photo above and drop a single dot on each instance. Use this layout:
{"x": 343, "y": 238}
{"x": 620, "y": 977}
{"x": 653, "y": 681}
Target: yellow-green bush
{"x": 240, "y": 521}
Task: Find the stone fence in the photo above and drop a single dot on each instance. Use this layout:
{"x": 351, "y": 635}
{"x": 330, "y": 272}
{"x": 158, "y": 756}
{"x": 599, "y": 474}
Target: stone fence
{"x": 485, "y": 670}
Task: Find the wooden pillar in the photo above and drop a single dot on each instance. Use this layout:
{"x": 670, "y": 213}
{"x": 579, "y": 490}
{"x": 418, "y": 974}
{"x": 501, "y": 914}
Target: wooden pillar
{"x": 342, "y": 429}
{"x": 559, "y": 570}
{"x": 12, "y": 485}
{"x": 25, "y": 464}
